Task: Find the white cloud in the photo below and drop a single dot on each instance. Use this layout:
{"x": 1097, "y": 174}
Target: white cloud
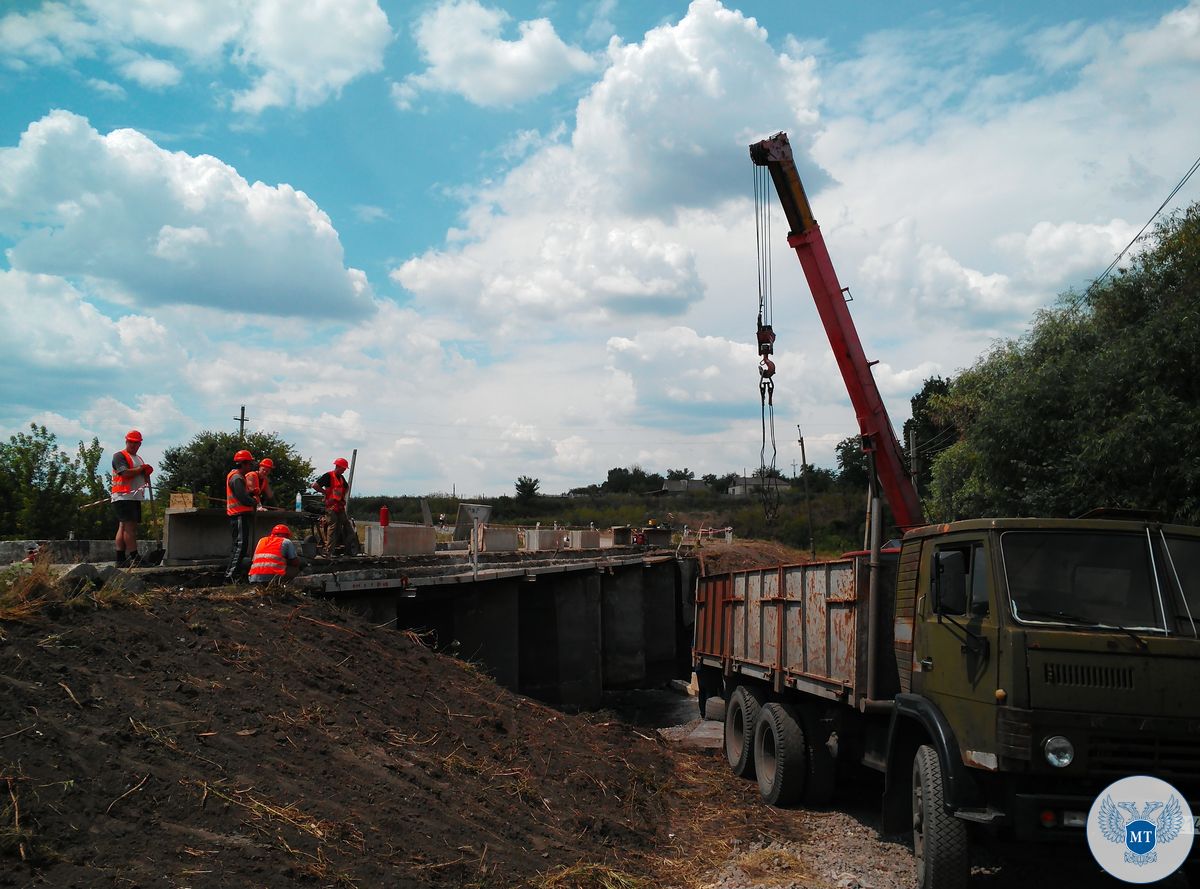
{"x": 159, "y": 227}
{"x": 586, "y": 232}
{"x": 294, "y": 54}
{"x": 461, "y": 41}
{"x": 151, "y": 73}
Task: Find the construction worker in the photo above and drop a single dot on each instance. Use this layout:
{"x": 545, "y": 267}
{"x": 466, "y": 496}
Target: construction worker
{"x": 130, "y": 479}
{"x": 276, "y": 558}
{"x": 334, "y": 530}
{"x": 259, "y": 482}
{"x": 240, "y": 506}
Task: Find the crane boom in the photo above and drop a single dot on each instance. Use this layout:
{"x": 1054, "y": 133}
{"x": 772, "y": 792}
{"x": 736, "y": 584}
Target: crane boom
{"x": 805, "y": 237}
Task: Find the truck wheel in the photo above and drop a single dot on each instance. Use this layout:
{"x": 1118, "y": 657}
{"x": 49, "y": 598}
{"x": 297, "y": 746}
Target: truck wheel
{"x": 740, "y": 718}
{"x": 939, "y": 839}
{"x": 821, "y": 768}
{"x": 779, "y": 755}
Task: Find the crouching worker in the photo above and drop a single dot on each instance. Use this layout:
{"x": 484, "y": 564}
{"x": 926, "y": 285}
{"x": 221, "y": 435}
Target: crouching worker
{"x": 276, "y": 558}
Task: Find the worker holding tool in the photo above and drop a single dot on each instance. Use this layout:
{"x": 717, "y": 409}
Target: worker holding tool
{"x": 259, "y": 482}
{"x": 276, "y": 558}
{"x": 130, "y": 479}
{"x": 240, "y": 506}
{"x": 334, "y": 529}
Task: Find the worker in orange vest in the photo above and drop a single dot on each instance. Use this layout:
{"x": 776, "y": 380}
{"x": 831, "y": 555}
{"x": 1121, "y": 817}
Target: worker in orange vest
{"x": 259, "y": 482}
{"x": 240, "y": 506}
{"x": 276, "y": 558}
{"x": 130, "y": 478}
{"x": 334, "y": 530}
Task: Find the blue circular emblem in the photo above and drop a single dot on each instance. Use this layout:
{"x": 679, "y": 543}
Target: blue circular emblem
{"x": 1140, "y": 829}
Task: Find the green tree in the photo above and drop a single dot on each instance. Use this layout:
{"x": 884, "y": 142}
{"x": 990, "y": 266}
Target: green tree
{"x": 201, "y": 465}
{"x": 42, "y": 487}
{"x": 527, "y": 489}
{"x": 852, "y": 464}
{"x": 933, "y": 435}
{"x": 1097, "y": 405}
{"x": 680, "y": 474}
{"x": 631, "y": 480}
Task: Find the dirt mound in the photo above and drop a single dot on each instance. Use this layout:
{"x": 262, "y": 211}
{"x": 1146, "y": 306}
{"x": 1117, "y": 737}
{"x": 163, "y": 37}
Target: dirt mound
{"x": 222, "y": 738}
{"x": 717, "y": 557}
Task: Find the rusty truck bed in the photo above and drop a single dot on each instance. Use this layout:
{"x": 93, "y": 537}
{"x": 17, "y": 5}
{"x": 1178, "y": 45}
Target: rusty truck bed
{"x": 794, "y": 626}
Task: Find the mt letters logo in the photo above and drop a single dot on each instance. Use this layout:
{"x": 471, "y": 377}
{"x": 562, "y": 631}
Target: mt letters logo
{"x": 1140, "y": 829}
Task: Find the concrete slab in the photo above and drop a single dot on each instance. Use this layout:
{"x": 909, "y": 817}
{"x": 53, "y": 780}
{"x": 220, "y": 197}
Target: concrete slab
{"x": 400, "y": 540}
{"x": 585, "y": 539}
{"x": 202, "y": 535}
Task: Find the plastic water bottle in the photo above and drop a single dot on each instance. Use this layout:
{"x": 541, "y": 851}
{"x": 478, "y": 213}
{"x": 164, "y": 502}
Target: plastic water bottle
{"x": 299, "y": 502}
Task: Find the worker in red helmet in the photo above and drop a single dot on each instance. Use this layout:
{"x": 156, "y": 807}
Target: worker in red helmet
{"x": 276, "y": 558}
{"x": 130, "y": 481}
{"x": 334, "y": 531}
{"x": 259, "y": 482}
{"x": 240, "y": 506}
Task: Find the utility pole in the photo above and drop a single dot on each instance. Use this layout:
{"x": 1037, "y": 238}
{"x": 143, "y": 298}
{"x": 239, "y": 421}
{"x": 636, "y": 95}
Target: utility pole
{"x": 242, "y": 424}
{"x": 812, "y": 545}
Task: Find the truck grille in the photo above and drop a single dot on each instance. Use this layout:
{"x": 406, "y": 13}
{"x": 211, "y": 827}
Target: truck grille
{"x": 1145, "y": 754}
{"x": 1090, "y": 676}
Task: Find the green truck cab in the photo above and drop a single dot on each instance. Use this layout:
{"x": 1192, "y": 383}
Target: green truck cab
{"x": 1017, "y": 667}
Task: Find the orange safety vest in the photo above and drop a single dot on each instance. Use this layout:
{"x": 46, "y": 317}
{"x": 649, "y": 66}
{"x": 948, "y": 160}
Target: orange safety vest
{"x": 232, "y": 506}
{"x": 258, "y": 485}
{"x": 335, "y": 494}
{"x": 268, "y": 557}
{"x": 120, "y": 484}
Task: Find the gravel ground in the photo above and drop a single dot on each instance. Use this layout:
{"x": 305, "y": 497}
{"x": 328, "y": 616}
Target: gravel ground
{"x": 840, "y": 848}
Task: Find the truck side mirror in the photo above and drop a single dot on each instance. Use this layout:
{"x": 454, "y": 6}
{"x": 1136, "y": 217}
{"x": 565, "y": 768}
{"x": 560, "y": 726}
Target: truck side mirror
{"x": 950, "y": 582}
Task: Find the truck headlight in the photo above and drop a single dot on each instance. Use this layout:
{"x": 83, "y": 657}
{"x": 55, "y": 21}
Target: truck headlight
{"x": 1060, "y": 752}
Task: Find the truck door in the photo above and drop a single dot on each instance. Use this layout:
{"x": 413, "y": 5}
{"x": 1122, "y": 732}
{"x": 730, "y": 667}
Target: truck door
{"x": 955, "y": 649}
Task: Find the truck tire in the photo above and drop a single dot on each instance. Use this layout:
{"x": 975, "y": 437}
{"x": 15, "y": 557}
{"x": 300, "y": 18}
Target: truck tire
{"x": 741, "y": 715}
{"x": 780, "y": 758}
{"x": 939, "y": 839}
{"x": 821, "y": 767}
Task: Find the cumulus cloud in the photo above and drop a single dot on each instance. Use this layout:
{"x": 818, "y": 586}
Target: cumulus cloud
{"x": 158, "y": 227}
{"x": 586, "y": 230}
{"x": 293, "y": 54}
{"x": 463, "y": 45}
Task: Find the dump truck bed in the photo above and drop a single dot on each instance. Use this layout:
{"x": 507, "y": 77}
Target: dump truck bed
{"x": 798, "y": 626}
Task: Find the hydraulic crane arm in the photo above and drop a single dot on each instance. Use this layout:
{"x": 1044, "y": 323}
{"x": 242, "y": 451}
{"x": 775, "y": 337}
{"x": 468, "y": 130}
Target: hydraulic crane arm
{"x": 805, "y": 237}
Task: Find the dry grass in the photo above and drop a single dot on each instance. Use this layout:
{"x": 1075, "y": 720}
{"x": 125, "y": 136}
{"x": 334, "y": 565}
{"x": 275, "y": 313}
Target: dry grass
{"x": 26, "y": 593}
{"x": 590, "y": 876}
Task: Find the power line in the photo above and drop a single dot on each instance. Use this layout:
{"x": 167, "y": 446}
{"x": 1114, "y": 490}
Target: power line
{"x": 1112, "y": 265}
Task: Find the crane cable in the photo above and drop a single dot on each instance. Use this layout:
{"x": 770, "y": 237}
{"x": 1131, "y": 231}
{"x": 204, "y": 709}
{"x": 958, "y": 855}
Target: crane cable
{"x": 768, "y": 474}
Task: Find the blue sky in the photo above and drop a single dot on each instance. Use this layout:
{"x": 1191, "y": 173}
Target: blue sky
{"x": 480, "y": 240}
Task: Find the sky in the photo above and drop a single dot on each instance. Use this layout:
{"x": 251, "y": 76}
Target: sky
{"x": 478, "y": 240}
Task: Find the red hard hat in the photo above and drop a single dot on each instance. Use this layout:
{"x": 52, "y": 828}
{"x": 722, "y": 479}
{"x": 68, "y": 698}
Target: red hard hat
{"x": 266, "y": 463}
{"x": 133, "y": 435}
{"x": 340, "y": 463}
{"x": 281, "y": 531}
{"x": 243, "y": 456}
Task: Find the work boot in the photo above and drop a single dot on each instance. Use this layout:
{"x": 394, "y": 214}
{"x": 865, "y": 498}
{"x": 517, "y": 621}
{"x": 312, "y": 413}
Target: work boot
{"x": 120, "y": 558}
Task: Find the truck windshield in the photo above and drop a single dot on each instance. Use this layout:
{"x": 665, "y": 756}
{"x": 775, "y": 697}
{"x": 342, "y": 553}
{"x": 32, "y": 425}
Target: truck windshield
{"x": 1094, "y": 579}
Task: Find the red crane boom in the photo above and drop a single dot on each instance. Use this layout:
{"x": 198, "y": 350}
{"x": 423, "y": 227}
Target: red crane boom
{"x": 805, "y": 237}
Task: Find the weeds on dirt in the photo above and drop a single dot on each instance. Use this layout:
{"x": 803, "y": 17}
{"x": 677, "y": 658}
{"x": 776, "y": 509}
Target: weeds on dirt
{"x": 26, "y": 593}
{"x": 17, "y": 838}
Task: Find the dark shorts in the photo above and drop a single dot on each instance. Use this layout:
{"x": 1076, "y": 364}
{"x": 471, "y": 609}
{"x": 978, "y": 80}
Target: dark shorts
{"x": 128, "y": 510}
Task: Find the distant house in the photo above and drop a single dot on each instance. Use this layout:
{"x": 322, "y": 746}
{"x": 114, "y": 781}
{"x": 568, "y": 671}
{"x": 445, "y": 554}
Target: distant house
{"x": 682, "y": 485}
{"x": 749, "y": 485}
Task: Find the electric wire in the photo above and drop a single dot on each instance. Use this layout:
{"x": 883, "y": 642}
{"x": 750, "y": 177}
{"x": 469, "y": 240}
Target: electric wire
{"x": 1112, "y": 265}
